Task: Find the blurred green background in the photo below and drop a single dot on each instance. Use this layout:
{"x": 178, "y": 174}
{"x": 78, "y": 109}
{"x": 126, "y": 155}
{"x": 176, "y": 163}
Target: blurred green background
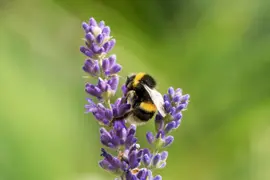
{"x": 217, "y": 51}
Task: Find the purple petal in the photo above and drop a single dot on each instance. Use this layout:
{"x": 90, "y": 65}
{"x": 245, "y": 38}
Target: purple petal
{"x": 185, "y": 97}
{"x": 106, "y": 30}
{"x": 100, "y": 106}
{"x": 142, "y": 174}
{"x": 130, "y": 141}
{"x": 86, "y": 51}
{"x": 89, "y": 37}
{"x": 104, "y": 131}
{"x": 92, "y": 22}
{"x": 87, "y": 66}
{"x": 105, "y": 65}
{"x": 95, "y": 48}
{"x": 168, "y": 141}
{"x": 85, "y": 27}
{"x": 105, "y": 165}
{"x": 158, "y": 117}
{"x": 106, "y": 46}
{"x": 100, "y": 38}
{"x": 101, "y": 24}
{"x": 115, "y": 69}
{"x": 91, "y": 106}
{"x": 133, "y": 148}
{"x": 160, "y": 134}
{"x": 156, "y": 159}
{"x": 108, "y": 114}
{"x": 140, "y": 153}
{"x": 171, "y": 91}
{"x": 164, "y": 155}
{"x": 114, "y": 82}
{"x": 123, "y": 109}
{"x": 166, "y": 97}
{"x": 147, "y": 151}
{"x": 133, "y": 162}
{"x": 158, "y": 177}
{"x": 105, "y": 121}
{"x": 176, "y": 98}
{"x": 102, "y": 84}
{"x": 110, "y": 45}
{"x": 95, "y": 71}
{"x": 122, "y": 135}
{"x": 115, "y": 112}
{"x": 172, "y": 110}
{"x": 97, "y": 89}
{"x": 92, "y": 90}
{"x": 112, "y": 60}
{"x": 177, "y": 116}
{"x": 150, "y": 137}
{"x": 167, "y": 106}
{"x": 169, "y": 127}
{"x": 132, "y": 130}
{"x": 113, "y": 161}
{"x": 115, "y": 141}
{"x": 146, "y": 160}
{"x": 119, "y": 125}
{"x": 180, "y": 107}
{"x": 99, "y": 116}
{"x": 105, "y": 140}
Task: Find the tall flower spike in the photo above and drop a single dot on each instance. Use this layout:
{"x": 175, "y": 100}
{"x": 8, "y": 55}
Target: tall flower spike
{"x": 127, "y": 161}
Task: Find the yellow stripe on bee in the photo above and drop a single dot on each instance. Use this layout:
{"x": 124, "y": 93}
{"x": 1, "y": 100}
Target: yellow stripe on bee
{"x": 137, "y": 78}
{"x": 148, "y": 106}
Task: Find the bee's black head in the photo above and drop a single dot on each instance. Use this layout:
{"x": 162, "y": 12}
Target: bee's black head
{"x": 129, "y": 81}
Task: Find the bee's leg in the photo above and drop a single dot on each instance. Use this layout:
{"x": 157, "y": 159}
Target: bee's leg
{"x": 129, "y": 97}
{"x": 120, "y": 117}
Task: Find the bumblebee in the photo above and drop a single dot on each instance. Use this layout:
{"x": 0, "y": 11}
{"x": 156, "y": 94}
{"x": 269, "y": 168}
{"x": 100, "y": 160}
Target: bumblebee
{"x": 144, "y": 99}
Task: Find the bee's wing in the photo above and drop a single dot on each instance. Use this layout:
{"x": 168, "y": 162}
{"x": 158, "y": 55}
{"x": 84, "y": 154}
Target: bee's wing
{"x": 157, "y": 99}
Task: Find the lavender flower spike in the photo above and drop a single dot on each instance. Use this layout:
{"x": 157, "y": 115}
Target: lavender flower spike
{"x": 174, "y": 103}
{"x": 126, "y": 160}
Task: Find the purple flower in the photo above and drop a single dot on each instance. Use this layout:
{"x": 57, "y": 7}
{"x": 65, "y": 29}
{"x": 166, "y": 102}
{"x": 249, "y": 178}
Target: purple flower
{"x": 105, "y": 115}
{"x": 120, "y": 136}
{"x": 174, "y": 103}
{"x": 127, "y": 161}
{"x": 98, "y": 43}
{"x": 92, "y": 67}
{"x": 97, "y": 39}
{"x": 104, "y": 88}
{"x": 125, "y": 164}
{"x": 152, "y": 161}
{"x": 109, "y": 65}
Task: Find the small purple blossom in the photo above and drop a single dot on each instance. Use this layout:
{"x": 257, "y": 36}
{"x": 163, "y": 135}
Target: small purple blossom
{"x": 105, "y": 115}
{"x": 119, "y": 137}
{"x": 127, "y": 160}
{"x": 97, "y": 39}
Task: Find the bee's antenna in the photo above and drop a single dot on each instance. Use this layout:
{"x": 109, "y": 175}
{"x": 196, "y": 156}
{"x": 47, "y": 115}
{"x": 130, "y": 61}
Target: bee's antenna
{"x": 121, "y": 77}
{"x": 117, "y": 76}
